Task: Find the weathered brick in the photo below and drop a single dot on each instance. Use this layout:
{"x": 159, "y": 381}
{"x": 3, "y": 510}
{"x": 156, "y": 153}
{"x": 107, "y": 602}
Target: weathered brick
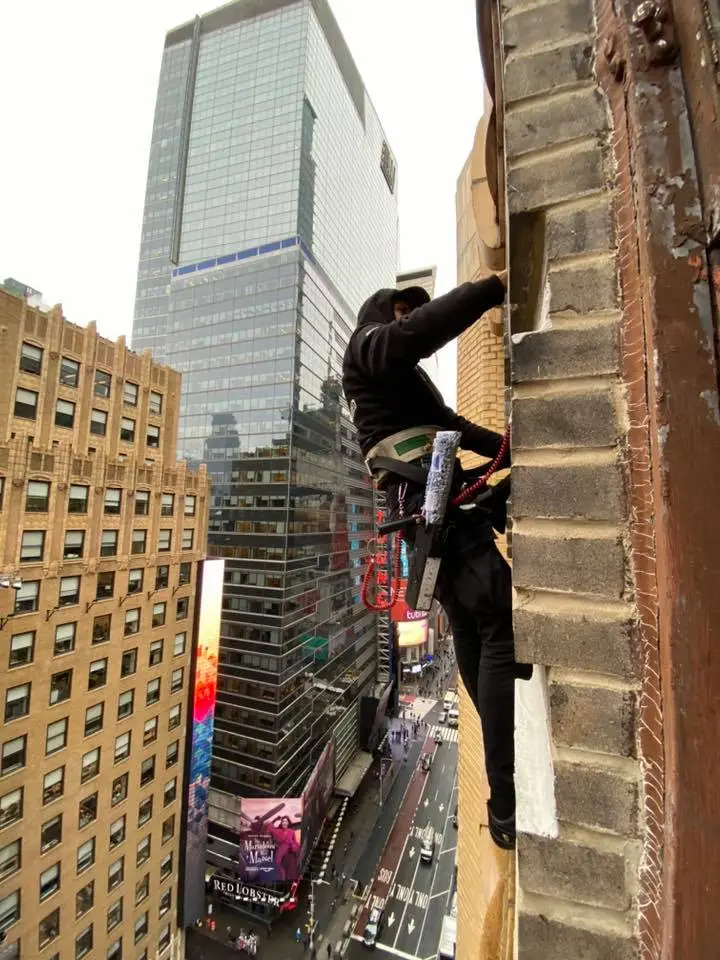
{"x": 586, "y": 229}
{"x": 596, "y": 798}
{"x": 540, "y": 183}
{"x": 547, "y": 23}
{"x": 573, "y": 640}
{"x": 593, "y": 718}
{"x": 589, "y": 566}
{"x": 589, "y": 491}
{"x": 565, "y": 420}
{"x": 540, "y": 938}
{"x": 586, "y": 289}
{"x": 572, "y": 871}
{"x": 551, "y": 121}
{"x": 528, "y": 75}
{"x": 558, "y": 354}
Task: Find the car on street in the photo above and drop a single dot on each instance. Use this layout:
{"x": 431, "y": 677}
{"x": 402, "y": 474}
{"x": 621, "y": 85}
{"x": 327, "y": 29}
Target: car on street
{"x": 373, "y": 928}
{"x": 438, "y": 737}
{"x": 426, "y": 762}
{"x": 427, "y": 844}
{"x": 443, "y": 716}
{"x": 455, "y": 818}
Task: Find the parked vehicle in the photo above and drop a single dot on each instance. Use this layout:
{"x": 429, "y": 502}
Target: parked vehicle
{"x": 427, "y": 844}
{"x": 443, "y": 717}
{"x": 438, "y": 737}
{"x": 373, "y": 928}
{"x": 426, "y": 762}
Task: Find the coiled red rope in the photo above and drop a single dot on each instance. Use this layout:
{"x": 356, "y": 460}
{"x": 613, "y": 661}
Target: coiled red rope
{"x": 482, "y": 481}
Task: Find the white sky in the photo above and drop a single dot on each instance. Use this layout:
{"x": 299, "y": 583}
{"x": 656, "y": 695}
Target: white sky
{"x": 79, "y": 81}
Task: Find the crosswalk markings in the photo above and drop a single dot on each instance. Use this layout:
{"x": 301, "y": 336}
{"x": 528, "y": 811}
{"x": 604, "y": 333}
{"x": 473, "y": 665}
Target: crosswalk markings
{"x": 449, "y": 734}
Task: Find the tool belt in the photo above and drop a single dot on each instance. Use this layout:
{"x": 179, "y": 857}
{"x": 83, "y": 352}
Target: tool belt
{"x": 397, "y": 454}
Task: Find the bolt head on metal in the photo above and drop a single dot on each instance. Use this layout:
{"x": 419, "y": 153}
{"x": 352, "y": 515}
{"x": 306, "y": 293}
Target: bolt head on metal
{"x": 645, "y": 11}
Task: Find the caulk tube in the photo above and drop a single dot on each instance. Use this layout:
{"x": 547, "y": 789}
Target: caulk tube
{"x": 440, "y": 477}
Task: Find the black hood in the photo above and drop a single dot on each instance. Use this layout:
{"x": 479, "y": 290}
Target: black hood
{"x": 379, "y": 307}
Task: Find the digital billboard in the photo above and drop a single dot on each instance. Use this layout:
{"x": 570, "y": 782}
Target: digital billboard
{"x": 412, "y": 633}
{"x": 204, "y": 679}
{"x": 270, "y": 839}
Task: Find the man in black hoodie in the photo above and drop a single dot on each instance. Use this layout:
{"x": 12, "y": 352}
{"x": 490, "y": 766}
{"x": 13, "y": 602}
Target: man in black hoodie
{"x": 397, "y": 411}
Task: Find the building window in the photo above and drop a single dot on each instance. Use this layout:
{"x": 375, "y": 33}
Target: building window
{"x": 128, "y": 663}
{"x": 174, "y": 716}
{"x": 168, "y": 829}
{"x": 142, "y": 503}
{"x": 188, "y": 538}
{"x": 30, "y": 358}
{"x": 119, "y": 790}
{"x": 51, "y": 833}
{"x": 97, "y": 674}
{"x": 101, "y": 629}
{"x": 32, "y": 546}
{"x": 74, "y": 544}
{"x": 13, "y": 755}
{"x": 153, "y": 692}
{"x": 164, "y": 541}
{"x": 150, "y": 731}
{"x": 105, "y": 586}
{"x": 49, "y": 927}
{"x": 127, "y": 429}
{"x": 27, "y": 598}
{"x": 179, "y": 644}
{"x": 86, "y": 855}
{"x": 102, "y": 383}
{"x": 69, "y": 372}
{"x": 78, "y": 499}
{"x": 158, "y": 614}
{"x": 153, "y": 436}
{"x": 143, "y": 851}
{"x": 90, "y": 765}
{"x": 64, "y": 639}
{"x": 26, "y": 404}
{"x": 172, "y": 753}
{"x": 38, "y": 496}
{"x": 155, "y": 404}
{"x": 147, "y": 771}
{"x": 190, "y": 504}
{"x": 69, "y": 591}
{"x": 181, "y": 608}
{"x": 162, "y": 577}
{"x": 139, "y": 539}
{"x": 142, "y": 889}
{"x": 9, "y": 910}
{"x": 122, "y": 747}
{"x": 61, "y": 684}
{"x": 64, "y": 413}
{"x": 130, "y": 393}
{"x": 94, "y": 716}
{"x": 98, "y": 422}
{"x": 109, "y": 543}
{"x": 176, "y": 680}
{"x": 156, "y": 653}
{"x": 87, "y": 811}
{"x": 141, "y": 926}
{"x": 10, "y": 859}
{"x": 117, "y": 832}
{"x": 114, "y": 951}
{"x": 17, "y": 702}
{"x": 170, "y": 792}
{"x": 126, "y": 702}
{"x": 164, "y": 941}
{"x": 85, "y": 899}
{"x": 185, "y": 575}
{"x": 53, "y": 785}
{"x": 11, "y": 807}
{"x": 145, "y": 811}
{"x": 84, "y": 943}
{"x": 22, "y": 649}
{"x": 56, "y": 736}
{"x": 49, "y": 881}
{"x": 113, "y": 500}
{"x": 132, "y": 621}
{"x": 167, "y": 504}
{"x": 166, "y": 865}
{"x": 135, "y": 580}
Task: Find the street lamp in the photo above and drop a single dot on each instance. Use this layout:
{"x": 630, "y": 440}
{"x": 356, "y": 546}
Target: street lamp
{"x": 9, "y": 582}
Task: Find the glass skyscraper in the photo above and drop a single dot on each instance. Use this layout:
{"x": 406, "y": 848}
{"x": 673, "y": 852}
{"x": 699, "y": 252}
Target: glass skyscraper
{"x": 270, "y": 215}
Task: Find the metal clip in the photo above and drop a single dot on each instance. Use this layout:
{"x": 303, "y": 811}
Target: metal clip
{"x": 654, "y": 19}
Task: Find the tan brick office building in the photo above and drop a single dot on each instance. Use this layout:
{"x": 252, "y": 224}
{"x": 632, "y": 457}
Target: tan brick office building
{"x": 101, "y": 532}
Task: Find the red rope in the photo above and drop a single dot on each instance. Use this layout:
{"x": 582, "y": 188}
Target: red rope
{"x": 374, "y": 599}
{"x": 482, "y": 481}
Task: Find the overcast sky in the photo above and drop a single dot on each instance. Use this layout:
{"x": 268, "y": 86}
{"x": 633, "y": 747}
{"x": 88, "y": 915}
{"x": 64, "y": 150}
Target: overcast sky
{"x": 79, "y": 80}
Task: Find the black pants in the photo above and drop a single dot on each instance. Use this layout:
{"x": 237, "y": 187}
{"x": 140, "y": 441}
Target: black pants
{"x": 475, "y": 590}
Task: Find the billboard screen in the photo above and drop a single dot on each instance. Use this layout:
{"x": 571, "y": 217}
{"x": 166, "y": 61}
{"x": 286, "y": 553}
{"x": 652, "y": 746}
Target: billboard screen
{"x": 204, "y": 670}
{"x": 412, "y": 633}
{"x": 316, "y": 797}
{"x": 270, "y": 839}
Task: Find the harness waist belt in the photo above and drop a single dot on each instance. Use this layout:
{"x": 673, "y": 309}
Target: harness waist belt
{"x": 396, "y": 453}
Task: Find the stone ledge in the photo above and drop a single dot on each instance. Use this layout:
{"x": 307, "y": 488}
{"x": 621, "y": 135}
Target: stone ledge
{"x": 601, "y": 719}
{"x": 527, "y": 75}
{"x": 566, "y": 174}
{"x": 590, "y": 492}
{"x": 581, "y": 351}
{"x": 542, "y": 938}
{"x": 592, "y": 566}
{"x": 584, "y": 289}
{"x": 596, "y": 798}
{"x": 582, "y": 419}
{"x": 554, "y": 119}
{"x": 547, "y": 24}
{"x": 584, "y": 228}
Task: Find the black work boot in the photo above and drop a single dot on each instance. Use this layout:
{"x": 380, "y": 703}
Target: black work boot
{"x": 502, "y": 831}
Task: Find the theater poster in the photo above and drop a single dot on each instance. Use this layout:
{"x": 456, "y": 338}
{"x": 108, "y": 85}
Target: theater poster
{"x": 270, "y": 848}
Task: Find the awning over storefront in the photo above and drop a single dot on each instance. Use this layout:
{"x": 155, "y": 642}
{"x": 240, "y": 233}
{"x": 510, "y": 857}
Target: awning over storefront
{"x": 353, "y": 776}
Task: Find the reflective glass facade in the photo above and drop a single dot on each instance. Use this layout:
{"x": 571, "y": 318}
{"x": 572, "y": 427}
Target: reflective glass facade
{"x": 281, "y": 219}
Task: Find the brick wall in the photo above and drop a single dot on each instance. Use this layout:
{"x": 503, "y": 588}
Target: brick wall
{"x": 574, "y": 605}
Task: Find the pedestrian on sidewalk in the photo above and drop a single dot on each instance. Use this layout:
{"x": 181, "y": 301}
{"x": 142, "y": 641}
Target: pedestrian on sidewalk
{"x": 298, "y": 935}
{"x": 329, "y": 951}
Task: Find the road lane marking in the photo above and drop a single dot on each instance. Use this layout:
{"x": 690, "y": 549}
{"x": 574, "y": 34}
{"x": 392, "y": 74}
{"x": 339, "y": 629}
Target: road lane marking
{"x": 441, "y": 894}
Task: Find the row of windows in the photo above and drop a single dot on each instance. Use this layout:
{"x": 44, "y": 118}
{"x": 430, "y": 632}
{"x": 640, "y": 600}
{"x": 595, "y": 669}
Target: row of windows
{"x": 31, "y": 361}
{"x": 27, "y": 600}
{"x": 32, "y": 544}
{"x": 37, "y": 500}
